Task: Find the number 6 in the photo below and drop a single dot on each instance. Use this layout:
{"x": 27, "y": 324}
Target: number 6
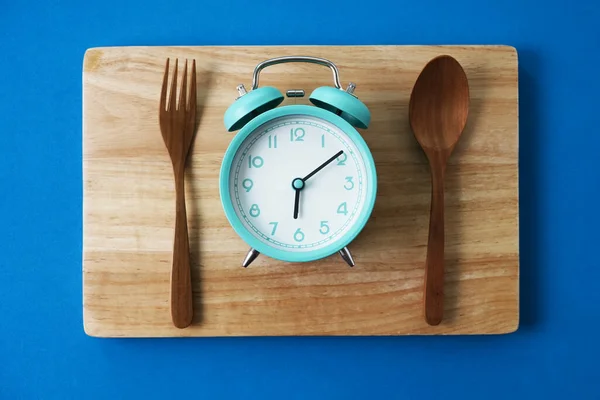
{"x": 298, "y": 235}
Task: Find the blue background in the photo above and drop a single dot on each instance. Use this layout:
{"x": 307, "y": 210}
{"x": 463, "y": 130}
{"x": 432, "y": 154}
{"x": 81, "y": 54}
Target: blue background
{"x": 44, "y": 352}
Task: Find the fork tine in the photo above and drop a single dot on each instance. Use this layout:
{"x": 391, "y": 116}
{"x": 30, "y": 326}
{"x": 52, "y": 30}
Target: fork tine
{"x": 183, "y": 90}
{"x": 191, "y": 106}
{"x": 173, "y": 94}
{"x": 163, "y": 90}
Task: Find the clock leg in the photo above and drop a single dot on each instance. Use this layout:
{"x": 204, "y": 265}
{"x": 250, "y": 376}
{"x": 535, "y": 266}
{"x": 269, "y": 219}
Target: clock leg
{"x": 345, "y": 253}
{"x": 251, "y": 256}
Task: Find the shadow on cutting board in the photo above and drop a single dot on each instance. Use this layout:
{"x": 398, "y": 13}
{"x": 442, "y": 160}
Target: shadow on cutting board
{"x": 454, "y": 225}
{"x": 204, "y": 77}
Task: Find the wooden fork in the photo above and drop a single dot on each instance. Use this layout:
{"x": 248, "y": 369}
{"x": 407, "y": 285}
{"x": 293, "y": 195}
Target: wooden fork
{"x": 177, "y": 124}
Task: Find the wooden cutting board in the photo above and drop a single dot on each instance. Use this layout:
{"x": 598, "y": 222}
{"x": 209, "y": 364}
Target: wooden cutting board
{"x": 129, "y": 201}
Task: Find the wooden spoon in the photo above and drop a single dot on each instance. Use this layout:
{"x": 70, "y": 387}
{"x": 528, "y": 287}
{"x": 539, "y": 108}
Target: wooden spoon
{"x": 439, "y": 105}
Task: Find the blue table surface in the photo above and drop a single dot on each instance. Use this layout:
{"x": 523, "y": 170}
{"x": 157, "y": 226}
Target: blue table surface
{"x": 44, "y": 352}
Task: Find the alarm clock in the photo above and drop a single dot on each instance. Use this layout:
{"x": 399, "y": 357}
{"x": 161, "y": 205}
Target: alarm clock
{"x": 297, "y": 182}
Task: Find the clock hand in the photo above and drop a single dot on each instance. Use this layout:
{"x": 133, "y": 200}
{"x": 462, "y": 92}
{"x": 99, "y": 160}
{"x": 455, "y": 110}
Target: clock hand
{"x": 320, "y": 167}
{"x": 298, "y": 183}
{"x": 296, "y": 201}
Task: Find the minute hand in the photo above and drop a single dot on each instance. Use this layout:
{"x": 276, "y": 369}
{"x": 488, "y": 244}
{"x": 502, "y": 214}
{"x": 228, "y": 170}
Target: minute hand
{"x": 320, "y": 167}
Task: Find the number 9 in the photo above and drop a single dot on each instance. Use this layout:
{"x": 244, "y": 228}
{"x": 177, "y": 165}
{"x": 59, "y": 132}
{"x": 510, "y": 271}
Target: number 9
{"x": 247, "y": 184}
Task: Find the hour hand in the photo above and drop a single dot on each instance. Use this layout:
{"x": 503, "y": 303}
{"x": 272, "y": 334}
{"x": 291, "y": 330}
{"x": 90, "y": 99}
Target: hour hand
{"x": 296, "y": 202}
{"x": 297, "y": 185}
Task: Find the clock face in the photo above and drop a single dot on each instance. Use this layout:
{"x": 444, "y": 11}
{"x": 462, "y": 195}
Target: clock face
{"x": 280, "y": 195}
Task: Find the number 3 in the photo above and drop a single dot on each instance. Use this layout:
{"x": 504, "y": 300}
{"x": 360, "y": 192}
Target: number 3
{"x": 349, "y": 181}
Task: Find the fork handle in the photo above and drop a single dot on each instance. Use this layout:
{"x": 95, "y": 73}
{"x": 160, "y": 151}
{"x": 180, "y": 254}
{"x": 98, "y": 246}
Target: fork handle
{"x": 182, "y": 310}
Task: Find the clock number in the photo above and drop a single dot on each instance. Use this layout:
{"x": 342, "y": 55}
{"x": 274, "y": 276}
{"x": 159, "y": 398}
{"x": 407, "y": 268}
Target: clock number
{"x": 274, "y": 227}
{"x": 273, "y": 141}
{"x": 298, "y": 235}
{"x": 254, "y": 210}
{"x": 255, "y": 162}
{"x": 342, "y": 209}
{"x": 349, "y": 181}
{"x": 324, "y": 228}
{"x": 341, "y": 160}
{"x": 247, "y": 184}
{"x": 297, "y": 135}
{"x": 322, "y": 140}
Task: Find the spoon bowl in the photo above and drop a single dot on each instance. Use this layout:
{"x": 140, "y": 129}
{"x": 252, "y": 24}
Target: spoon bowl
{"x": 439, "y": 104}
{"x": 438, "y": 110}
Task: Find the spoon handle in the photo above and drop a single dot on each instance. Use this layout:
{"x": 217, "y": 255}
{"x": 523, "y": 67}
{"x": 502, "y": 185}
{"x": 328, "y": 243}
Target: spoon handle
{"x": 182, "y": 311}
{"x": 434, "y": 265}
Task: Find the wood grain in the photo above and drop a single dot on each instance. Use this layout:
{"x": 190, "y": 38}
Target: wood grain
{"x": 129, "y": 198}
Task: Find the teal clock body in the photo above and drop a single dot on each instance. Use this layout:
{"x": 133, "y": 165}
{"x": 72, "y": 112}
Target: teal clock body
{"x": 297, "y": 183}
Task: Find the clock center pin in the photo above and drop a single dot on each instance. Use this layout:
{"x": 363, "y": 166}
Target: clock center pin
{"x": 298, "y": 184}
